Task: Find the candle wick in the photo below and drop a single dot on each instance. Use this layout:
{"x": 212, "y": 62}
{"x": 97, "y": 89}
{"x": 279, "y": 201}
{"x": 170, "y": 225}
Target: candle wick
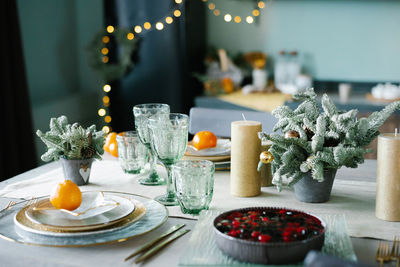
{"x": 244, "y": 118}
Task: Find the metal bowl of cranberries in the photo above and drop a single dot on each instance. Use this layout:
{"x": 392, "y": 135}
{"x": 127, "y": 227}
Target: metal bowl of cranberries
{"x": 268, "y": 235}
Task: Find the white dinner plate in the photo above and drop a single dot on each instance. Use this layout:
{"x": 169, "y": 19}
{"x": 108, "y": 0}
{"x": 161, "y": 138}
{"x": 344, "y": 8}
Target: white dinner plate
{"x": 223, "y": 148}
{"x": 95, "y": 212}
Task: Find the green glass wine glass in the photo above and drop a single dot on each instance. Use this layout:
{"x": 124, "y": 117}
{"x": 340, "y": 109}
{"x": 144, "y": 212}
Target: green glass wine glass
{"x": 141, "y": 113}
{"x": 169, "y": 137}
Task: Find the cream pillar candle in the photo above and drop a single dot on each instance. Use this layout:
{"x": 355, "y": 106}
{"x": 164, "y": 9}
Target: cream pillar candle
{"x": 245, "y": 152}
{"x": 388, "y": 178}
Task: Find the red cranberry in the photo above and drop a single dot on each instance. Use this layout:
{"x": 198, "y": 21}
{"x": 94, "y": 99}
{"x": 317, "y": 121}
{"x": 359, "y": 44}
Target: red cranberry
{"x": 286, "y": 239}
{"x": 235, "y": 224}
{"x": 286, "y": 234}
{"x": 301, "y": 230}
{"x": 232, "y": 233}
{"x": 237, "y": 214}
{"x": 255, "y": 234}
{"x": 264, "y": 238}
{"x": 265, "y": 219}
{"x": 253, "y": 217}
{"x": 290, "y": 229}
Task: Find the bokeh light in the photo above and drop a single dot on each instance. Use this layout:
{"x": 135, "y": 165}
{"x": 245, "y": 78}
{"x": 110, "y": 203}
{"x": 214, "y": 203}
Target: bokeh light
{"x": 227, "y": 17}
{"x": 159, "y": 26}
{"x": 101, "y": 112}
{"x": 138, "y": 29}
{"x": 110, "y": 29}
{"x": 107, "y": 88}
{"x": 177, "y": 13}
{"x": 249, "y": 19}
{"x": 130, "y": 36}
{"x": 147, "y": 25}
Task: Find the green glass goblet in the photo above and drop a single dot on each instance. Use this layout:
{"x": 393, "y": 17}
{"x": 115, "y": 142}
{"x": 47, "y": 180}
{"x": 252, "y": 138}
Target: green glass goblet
{"x": 169, "y": 137}
{"x": 141, "y": 113}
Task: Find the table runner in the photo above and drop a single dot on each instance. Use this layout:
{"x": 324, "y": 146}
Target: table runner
{"x": 355, "y": 199}
{"x": 202, "y": 250}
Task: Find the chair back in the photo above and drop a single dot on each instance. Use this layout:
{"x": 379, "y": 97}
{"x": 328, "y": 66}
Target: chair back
{"x": 219, "y": 121}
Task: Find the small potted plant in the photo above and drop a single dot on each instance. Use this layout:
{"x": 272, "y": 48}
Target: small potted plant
{"x": 315, "y": 144}
{"x": 75, "y": 146}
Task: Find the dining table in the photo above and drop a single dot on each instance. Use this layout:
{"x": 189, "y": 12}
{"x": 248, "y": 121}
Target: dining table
{"x": 353, "y": 197}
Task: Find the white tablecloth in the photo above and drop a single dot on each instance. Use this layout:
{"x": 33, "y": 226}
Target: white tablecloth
{"x": 354, "y": 198}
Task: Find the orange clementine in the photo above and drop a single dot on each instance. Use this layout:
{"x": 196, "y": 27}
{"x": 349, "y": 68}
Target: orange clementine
{"x": 113, "y": 149}
{"x": 227, "y": 85}
{"x": 111, "y": 138}
{"x": 204, "y": 139}
{"x": 66, "y": 195}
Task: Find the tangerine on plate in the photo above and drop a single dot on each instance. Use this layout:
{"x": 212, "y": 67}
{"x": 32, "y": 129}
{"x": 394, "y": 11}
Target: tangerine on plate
{"x": 111, "y": 138}
{"x": 66, "y": 195}
{"x": 113, "y": 149}
{"x": 204, "y": 139}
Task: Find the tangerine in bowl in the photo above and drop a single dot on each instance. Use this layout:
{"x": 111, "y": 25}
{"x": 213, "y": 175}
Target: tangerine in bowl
{"x": 66, "y": 195}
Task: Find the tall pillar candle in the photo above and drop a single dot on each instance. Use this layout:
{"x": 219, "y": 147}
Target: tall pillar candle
{"x": 388, "y": 178}
{"x": 245, "y": 152}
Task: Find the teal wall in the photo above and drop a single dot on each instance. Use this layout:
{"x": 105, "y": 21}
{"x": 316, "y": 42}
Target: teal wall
{"x": 354, "y": 40}
{"x": 54, "y": 35}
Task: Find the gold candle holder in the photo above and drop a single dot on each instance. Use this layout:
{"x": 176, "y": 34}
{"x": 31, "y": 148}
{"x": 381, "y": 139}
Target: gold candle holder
{"x": 266, "y": 172}
{"x": 388, "y": 178}
{"x": 245, "y": 152}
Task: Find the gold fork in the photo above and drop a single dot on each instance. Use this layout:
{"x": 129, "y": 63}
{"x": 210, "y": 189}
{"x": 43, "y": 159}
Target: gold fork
{"x": 395, "y": 253}
{"x": 31, "y": 201}
{"x": 9, "y": 205}
{"x": 382, "y": 254}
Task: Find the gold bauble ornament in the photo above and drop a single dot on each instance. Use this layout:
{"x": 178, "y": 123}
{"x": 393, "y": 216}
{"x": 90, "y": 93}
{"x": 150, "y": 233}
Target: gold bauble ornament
{"x": 309, "y": 161}
{"x": 266, "y": 157}
{"x": 292, "y": 134}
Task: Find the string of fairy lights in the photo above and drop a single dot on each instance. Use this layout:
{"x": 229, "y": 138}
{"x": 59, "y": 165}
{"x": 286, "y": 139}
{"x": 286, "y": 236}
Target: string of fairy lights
{"x": 138, "y": 29}
{"x": 228, "y": 17}
{"x": 160, "y": 25}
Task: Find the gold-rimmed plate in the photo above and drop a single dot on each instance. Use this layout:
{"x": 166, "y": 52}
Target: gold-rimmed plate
{"x": 156, "y": 215}
{"x": 42, "y": 213}
{"x": 27, "y": 226}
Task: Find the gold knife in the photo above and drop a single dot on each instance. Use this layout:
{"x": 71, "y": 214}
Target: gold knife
{"x": 161, "y": 245}
{"x": 149, "y": 244}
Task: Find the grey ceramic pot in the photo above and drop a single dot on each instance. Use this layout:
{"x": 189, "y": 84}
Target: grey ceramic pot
{"x": 311, "y": 191}
{"x": 267, "y": 253}
{"x": 77, "y": 170}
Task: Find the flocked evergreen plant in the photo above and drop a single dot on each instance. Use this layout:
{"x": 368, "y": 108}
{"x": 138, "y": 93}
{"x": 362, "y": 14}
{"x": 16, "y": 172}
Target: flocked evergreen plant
{"x": 71, "y": 141}
{"x": 314, "y": 140}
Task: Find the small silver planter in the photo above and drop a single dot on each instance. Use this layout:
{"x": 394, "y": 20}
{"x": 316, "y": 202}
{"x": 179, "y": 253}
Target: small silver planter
{"x": 77, "y": 170}
{"x": 311, "y": 191}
